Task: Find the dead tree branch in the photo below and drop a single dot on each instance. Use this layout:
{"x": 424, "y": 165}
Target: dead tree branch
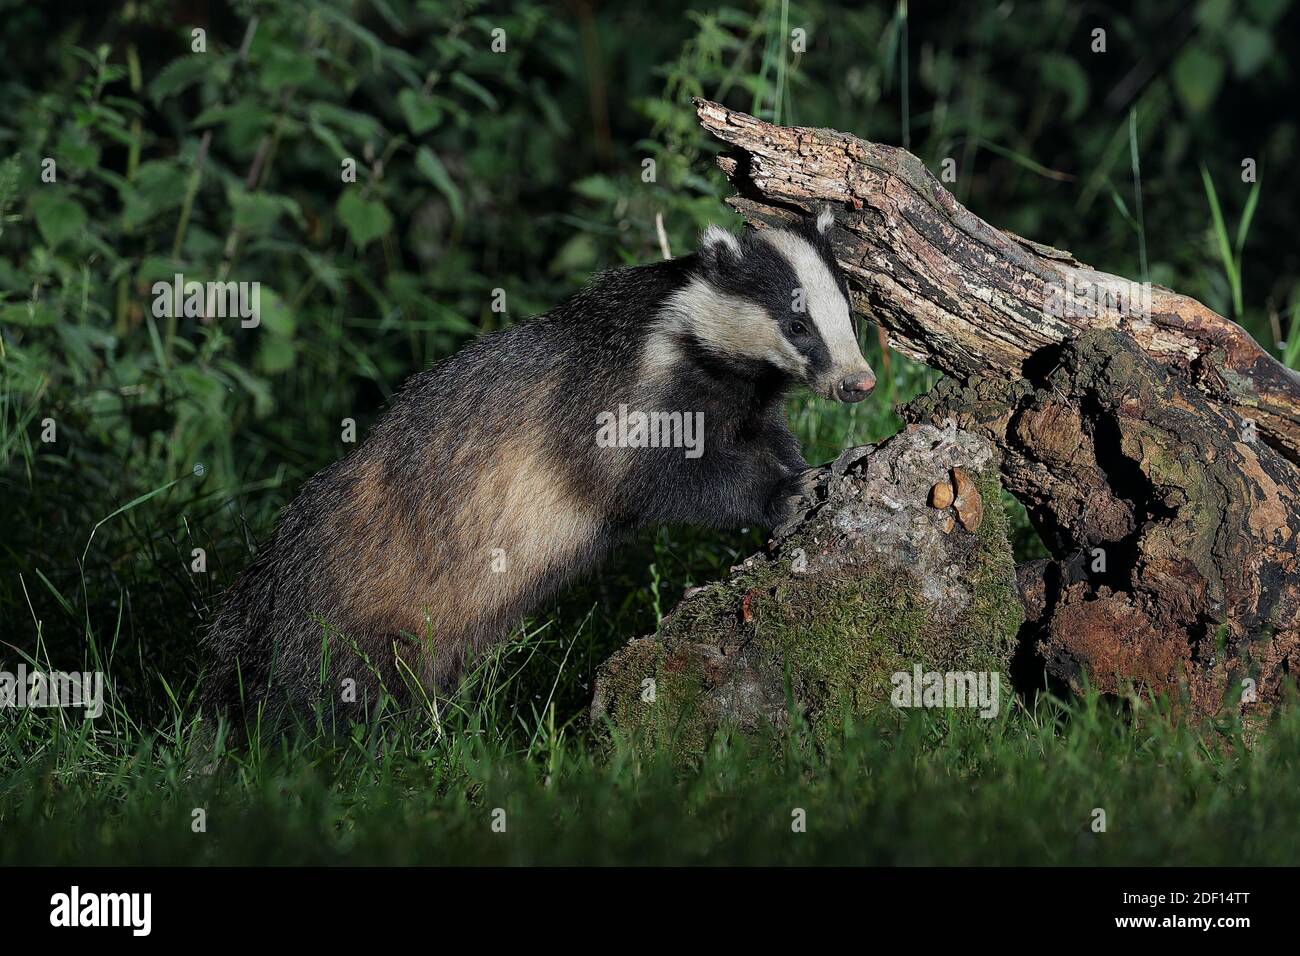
{"x": 958, "y": 294}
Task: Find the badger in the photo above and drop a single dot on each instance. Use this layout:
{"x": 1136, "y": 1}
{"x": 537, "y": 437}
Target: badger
{"x": 484, "y": 487}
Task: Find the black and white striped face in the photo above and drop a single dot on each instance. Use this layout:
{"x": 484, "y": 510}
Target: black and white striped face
{"x": 777, "y": 297}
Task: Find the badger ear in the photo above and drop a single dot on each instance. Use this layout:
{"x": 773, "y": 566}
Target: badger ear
{"x": 717, "y": 246}
{"x": 825, "y": 219}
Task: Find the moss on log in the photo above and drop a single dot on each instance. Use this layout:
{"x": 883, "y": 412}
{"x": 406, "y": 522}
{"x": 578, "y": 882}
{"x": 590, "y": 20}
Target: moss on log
{"x": 868, "y": 581}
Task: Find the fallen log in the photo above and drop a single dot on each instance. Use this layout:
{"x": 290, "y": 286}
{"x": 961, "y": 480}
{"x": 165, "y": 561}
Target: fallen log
{"x": 1153, "y": 442}
{"x": 956, "y": 293}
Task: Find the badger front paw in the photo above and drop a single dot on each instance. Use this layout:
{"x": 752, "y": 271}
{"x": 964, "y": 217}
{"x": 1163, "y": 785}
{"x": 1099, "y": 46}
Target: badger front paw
{"x": 794, "y": 495}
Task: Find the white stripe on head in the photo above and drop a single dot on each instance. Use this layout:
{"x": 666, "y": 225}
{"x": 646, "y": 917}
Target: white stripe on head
{"x": 725, "y": 323}
{"x": 825, "y": 303}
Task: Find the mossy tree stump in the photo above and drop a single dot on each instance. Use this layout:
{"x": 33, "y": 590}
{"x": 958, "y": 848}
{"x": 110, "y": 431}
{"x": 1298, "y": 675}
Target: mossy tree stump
{"x": 868, "y": 581}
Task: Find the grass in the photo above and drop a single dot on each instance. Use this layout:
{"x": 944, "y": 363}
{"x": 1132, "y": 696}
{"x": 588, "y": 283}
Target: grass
{"x": 141, "y": 785}
{"x": 1230, "y": 254}
{"x": 100, "y": 530}
{"x": 920, "y": 788}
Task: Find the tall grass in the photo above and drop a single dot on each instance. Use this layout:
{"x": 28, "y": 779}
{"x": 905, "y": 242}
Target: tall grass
{"x": 1230, "y": 252}
{"x": 916, "y": 788}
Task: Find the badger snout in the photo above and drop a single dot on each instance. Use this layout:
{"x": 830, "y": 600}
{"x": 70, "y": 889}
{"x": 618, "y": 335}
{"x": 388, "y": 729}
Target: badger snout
{"x": 855, "y": 387}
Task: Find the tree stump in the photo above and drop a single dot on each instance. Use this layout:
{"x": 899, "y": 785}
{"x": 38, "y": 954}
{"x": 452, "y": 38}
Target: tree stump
{"x": 874, "y": 578}
{"x": 1174, "y": 525}
{"x": 1153, "y": 442}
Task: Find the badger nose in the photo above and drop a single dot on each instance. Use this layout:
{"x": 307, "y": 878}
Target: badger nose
{"x": 856, "y": 387}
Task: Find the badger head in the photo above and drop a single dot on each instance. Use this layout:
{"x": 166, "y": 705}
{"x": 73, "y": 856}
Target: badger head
{"x": 776, "y": 299}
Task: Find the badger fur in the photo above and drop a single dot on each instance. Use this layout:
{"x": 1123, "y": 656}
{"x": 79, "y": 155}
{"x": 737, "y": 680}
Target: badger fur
{"x": 483, "y": 490}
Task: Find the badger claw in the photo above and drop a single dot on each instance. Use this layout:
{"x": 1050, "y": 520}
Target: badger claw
{"x": 805, "y": 483}
{"x": 794, "y": 495}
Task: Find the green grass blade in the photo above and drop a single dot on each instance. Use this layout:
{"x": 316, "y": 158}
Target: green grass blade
{"x": 1136, "y": 167}
{"x": 1221, "y": 238}
{"x": 134, "y": 502}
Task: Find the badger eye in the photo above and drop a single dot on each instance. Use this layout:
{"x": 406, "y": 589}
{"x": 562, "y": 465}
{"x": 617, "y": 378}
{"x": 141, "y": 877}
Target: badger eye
{"x": 798, "y": 328}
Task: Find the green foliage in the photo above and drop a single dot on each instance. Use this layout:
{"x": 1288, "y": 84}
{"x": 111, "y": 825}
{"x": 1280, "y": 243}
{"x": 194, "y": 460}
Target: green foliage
{"x": 523, "y": 169}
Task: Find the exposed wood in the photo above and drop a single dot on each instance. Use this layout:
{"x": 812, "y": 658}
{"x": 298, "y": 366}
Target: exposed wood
{"x": 1175, "y": 528}
{"x": 958, "y": 294}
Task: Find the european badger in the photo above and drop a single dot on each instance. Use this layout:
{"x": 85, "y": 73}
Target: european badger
{"x": 483, "y": 489}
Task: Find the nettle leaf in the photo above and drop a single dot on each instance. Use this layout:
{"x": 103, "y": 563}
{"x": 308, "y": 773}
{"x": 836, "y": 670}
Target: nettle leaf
{"x": 428, "y": 163}
{"x": 1197, "y": 75}
{"x": 1250, "y": 48}
{"x": 578, "y": 254}
{"x": 369, "y": 40}
{"x": 359, "y": 126}
{"x": 179, "y": 74}
{"x": 286, "y": 68}
{"x": 597, "y": 187}
{"x": 275, "y": 355}
{"x": 76, "y": 150}
{"x": 58, "y": 216}
{"x": 245, "y": 113}
{"x": 155, "y": 268}
{"x": 420, "y": 111}
{"x": 275, "y": 314}
{"x": 157, "y": 187}
{"x": 257, "y": 213}
{"x": 327, "y": 137}
{"x": 365, "y": 219}
{"x": 474, "y": 88}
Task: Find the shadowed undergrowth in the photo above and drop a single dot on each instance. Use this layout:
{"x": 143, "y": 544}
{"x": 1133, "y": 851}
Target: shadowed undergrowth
{"x": 915, "y": 788}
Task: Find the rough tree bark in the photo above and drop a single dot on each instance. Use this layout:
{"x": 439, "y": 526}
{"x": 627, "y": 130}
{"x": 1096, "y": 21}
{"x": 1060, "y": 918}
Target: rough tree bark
{"x": 958, "y": 294}
{"x": 1174, "y": 529}
{"x": 1153, "y": 442}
